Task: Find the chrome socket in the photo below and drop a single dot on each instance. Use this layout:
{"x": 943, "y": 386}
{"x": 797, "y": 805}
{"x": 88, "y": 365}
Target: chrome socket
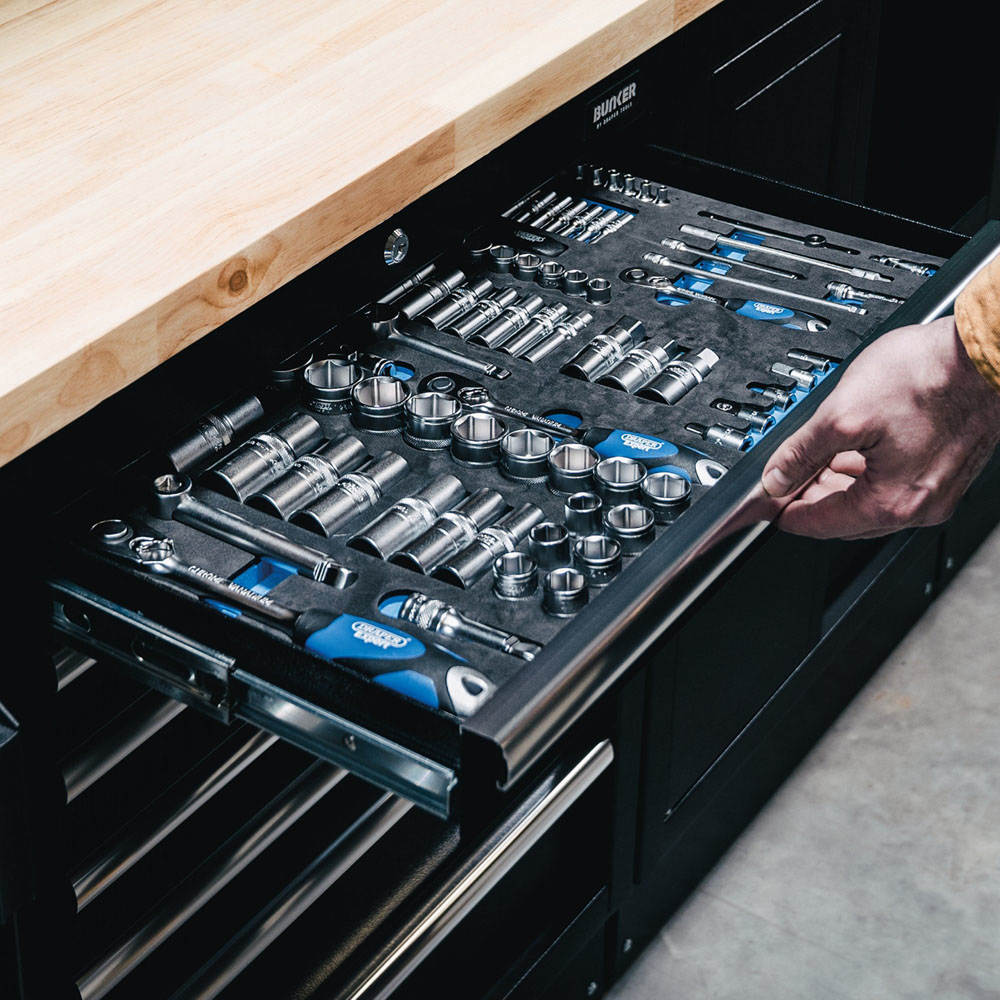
{"x": 571, "y": 467}
{"x": 542, "y": 220}
{"x": 638, "y": 368}
{"x": 524, "y": 455}
{"x": 513, "y": 318}
{"x": 680, "y": 377}
{"x": 631, "y": 526}
{"x": 566, "y": 330}
{"x": 377, "y": 404}
{"x": 310, "y": 477}
{"x": 574, "y": 282}
{"x": 451, "y": 532}
{"x": 264, "y": 457}
{"x": 500, "y": 259}
{"x": 515, "y": 576}
{"x": 606, "y": 350}
{"x": 599, "y": 291}
{"x": 567, "y": 217}
{"x": 406, "y": 519}
{"x": 564, "y": 592}
{"x": 580, "y": 222}
{"x": 540, "y": 326}
{"x": 475, "y": 439}
{"x": 284, "y": 376}
{"x": 599, "y": 558}
{"x": 427, "y": 420}
{"x": 601, "y": 222}
{"x": 526, "y": 266}
{"x": 479, "y": 555}
{"x": 213, "y": 433}
{"x": 618, "y": 480}
{"x": 666, "y": 494}
{"x": 583, "y": 514}
{"x": 425, "y": 295}
{"x": 354, "y": 493}
{"x": 550, "y": 274}
{"x": 461, "y": 300}
{"x": 614, "y": 180}
{"x": 548, "y": 544}
{"x": 328, "y": 385}
{"x": 483, "y": 312}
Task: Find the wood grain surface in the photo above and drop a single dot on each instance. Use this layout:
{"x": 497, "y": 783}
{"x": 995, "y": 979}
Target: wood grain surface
{"x": 165, "y": 164}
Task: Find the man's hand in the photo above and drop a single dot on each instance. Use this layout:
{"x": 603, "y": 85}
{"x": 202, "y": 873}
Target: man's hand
{"x": 895, "y": 445}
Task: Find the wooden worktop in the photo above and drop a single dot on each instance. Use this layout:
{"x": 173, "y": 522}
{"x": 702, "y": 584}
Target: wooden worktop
{"x": 164, "y": 164}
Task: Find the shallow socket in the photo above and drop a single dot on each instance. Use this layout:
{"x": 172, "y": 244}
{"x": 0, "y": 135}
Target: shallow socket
{"x": 617, "y": 480}
{"x": 564, "y": 592}
{"x": 329, "y": 384}
{"x": 631, "y": 525}
{"x": 549, "y": 544}
{"x": 427, "y": 419}
{"x": 475, "y": 439}
{"x": 583, "y": 513}
{"x": 524, "y": 454}
{"x": 571, "y": 467}
{"x": 666, "y": 494}
{"x": 515, "y": 576}
{"x": 378, "y": 403}
{"x": 598, "y": 557}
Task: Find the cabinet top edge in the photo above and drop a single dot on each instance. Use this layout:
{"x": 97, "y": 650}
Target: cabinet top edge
{"x": 168, "y": 164}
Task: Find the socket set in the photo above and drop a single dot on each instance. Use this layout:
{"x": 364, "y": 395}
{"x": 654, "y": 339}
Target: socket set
{"x": 434, "y": 486}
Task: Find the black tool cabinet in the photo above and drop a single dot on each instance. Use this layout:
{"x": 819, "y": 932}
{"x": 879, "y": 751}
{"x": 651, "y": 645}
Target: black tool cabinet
{"x": 191, "y": 808}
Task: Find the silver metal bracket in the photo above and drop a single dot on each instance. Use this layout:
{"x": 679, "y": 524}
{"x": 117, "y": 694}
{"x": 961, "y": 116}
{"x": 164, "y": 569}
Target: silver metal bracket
{"x": 358, "y": 750}
{"x": 166, "y": 661}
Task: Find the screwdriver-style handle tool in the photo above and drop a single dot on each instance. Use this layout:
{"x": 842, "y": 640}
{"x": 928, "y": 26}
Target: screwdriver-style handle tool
{"x": 609, "y": 442}
{"x": 389, "y": 656}
{"x": 775, "y": 272}
{"x": 728, "y": 241}
{"x": 809, "y": 240}
{"x": 173, "y": 498}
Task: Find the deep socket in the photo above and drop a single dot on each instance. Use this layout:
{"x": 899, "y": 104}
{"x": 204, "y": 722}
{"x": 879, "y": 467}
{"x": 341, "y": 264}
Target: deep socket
{"x": 679, "y": 377}
{"x": 524, "y": 455}
{"x": 515, "y": 317}
{"x": 478, "y": 556}
{"x": 354, "y": 493}
{"x": 542, "y": 220}
{"x": 406, "y": 519}
{"x": 571, "y": 467}
{"x": 640, "y": 367}
{"x": 666, "y": 494}
{"x": 548, "y": 543}
{"x": 598, "y": 557}
{"x": 451, "y": 532}
{"x": 328, "y": 384}
{"x": 606, "y": 349}
{"x": 214, "y": 433}
{"x": 564, "y": 218}
{"x": 601, "y": 222}
{"x": 460, "y": 301}
{"x": 425, "y": 295}
{"x": 427, "y": 420}
{"x": 310, "y": 477}
{"x": 475, "y": 439}
{"x": 515, "y": 576}
{"x": 377, "y": 404}
{"x": 618, "y": 480}
{"x": 264, "y": 457}
{"x": 563, "y": 331}
{"x": 540, "y": 326}
{"x": 582, "y": 513}
{"x": 631, "y": 525}
{"x": 580, "y": 222}
{"x": 406, "y": 284}
{"x": 483, "y": 312}
{"x": 564, "y": 592}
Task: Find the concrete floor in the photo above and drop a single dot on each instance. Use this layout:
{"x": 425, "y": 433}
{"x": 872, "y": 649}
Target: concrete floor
{"x": 875, "y": 871}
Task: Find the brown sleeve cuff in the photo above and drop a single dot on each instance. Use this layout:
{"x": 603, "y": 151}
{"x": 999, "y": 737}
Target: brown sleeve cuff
{"x": 977, "y": 317}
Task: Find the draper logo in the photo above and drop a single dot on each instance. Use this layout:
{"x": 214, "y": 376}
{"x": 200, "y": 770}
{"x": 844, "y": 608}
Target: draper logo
{"x": 641, "y": 443}
{"x": 766, "y": 307}
{"x": 616, "y": 104}
{"x": 372, "y": 634}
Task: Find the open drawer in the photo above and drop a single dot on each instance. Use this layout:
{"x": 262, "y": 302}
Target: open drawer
{"x": 479, "y": 707}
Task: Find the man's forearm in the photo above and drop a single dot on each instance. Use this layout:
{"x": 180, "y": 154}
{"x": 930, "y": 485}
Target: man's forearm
{"x": 977, "y": 316}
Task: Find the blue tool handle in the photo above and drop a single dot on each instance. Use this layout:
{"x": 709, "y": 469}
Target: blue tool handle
{"x": 657, "y": 454}
{"x": 769, "y": 312}
{"x": 394, "y": 659}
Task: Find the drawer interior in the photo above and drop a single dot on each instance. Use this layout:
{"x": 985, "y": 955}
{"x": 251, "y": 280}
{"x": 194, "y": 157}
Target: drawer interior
{"x": 416, "y": 718}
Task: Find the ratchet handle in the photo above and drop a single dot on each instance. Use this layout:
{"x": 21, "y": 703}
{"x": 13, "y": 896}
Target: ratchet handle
{"x": 655, "y": 453}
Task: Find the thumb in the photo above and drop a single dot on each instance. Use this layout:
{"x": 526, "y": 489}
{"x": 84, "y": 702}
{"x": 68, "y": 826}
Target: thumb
{"x": 807, "y": 451}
